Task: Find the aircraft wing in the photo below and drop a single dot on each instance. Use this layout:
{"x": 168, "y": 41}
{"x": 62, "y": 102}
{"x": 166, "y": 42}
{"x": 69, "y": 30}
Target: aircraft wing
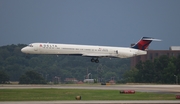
{"x": 96, "y": 55}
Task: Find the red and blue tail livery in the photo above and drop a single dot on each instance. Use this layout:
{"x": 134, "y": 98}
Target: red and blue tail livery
{"x": 144, "y": 43}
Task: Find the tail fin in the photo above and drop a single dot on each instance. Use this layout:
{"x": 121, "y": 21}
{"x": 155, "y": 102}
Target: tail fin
{"x": 144, "y": 43}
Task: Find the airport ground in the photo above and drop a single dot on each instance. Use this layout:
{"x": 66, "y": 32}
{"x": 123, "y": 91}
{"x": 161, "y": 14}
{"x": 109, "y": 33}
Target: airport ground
{"x": 175, "y": 89}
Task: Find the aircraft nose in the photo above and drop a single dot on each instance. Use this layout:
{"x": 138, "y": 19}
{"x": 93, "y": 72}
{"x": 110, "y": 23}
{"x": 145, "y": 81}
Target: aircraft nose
{"x": 24, "y": 50}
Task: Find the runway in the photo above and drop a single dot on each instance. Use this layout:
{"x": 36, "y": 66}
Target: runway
{"x": 139, "y": 88}
{"x": 175, "y": 89}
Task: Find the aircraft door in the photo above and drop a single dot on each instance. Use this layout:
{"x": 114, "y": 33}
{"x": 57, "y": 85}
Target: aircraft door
{"x": 116, "y": 51}
{"x": 35, "y": 48}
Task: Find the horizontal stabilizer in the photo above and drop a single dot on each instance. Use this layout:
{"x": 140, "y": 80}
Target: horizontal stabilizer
{"x": 149, "y": 38}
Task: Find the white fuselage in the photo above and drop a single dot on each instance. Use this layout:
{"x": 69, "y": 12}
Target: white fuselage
{"x": 82, "y": 50}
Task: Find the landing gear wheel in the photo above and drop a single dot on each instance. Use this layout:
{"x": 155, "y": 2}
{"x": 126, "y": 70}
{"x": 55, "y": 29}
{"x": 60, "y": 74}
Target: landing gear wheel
{"x": 92, "y": 60}
{"x": 96, "y": 61}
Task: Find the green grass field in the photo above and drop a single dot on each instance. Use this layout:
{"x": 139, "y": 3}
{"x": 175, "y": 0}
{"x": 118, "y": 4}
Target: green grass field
{"x": 70, "y": 94}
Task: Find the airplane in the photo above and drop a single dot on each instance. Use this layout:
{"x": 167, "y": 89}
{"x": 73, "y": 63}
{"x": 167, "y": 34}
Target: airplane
{"x": 92, "y": 51}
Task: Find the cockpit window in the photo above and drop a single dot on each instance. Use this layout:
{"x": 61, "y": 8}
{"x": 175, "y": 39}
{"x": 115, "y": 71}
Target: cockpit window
{"x": 30, "y": 45}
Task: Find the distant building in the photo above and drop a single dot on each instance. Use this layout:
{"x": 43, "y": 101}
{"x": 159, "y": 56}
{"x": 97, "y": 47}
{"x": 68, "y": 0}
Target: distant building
{"x": 80, "y": 82}
{"x": 88, "y": 80}
{"x": 71, "y": 80}
{"x": 174, "y": 48}
{"x": 112, "y": 82}
{"x": 152, "y": 54}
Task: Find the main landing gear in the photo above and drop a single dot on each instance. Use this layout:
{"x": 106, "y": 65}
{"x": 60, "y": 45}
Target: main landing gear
{"x": 95, "y": 60}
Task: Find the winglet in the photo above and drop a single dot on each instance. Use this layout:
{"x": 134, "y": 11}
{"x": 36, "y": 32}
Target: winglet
{"x": 144, "y": 43}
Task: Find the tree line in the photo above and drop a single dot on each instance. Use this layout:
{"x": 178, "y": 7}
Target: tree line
{"x": 164, "y": 70}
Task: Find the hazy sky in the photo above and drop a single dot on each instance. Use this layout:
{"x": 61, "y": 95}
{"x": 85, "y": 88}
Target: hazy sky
{"x": 94, "y": 22}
